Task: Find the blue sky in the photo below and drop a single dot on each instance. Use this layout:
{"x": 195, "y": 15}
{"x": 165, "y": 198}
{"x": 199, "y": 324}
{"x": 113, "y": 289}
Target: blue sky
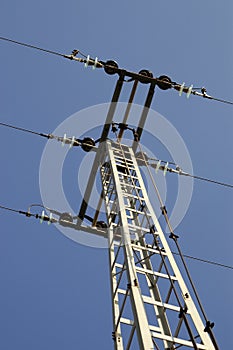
{"x": 54, "y": 292}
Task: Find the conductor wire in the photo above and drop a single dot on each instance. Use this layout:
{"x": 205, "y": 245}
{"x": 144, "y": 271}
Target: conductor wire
{"x": 181, "y": 172}
{"x": 33, "y": 47}
{"x": 207, "y": 180}
{"x": 175, "y": 253}
{"x": 26, "y": 130}
{"x": 72, "y": 141}
{"x": 101, "y": 64}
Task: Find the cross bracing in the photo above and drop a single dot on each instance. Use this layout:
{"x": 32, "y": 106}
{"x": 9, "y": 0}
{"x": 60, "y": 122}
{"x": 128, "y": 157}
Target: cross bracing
{"x": 149, "y": 296}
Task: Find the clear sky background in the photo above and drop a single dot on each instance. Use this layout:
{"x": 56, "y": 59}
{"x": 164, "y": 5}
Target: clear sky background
{"x": 55, "y": 293}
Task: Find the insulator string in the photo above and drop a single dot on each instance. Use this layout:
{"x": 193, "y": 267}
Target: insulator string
{"x": 95, "y": 63}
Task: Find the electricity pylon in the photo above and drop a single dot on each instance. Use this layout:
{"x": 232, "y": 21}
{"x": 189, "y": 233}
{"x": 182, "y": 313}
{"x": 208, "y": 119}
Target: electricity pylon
{"x": 153, "y": 308}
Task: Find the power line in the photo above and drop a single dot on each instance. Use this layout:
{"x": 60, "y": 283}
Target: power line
{"x": 28, "y": 214}
{"x": 111, "y": 67}
{"x": 143, "y": 159}
{"x": 45, "y": 218}
{"x": 26, "y": 130}
{"x": 208, "y": 180}
{"x": 78, "y": 142}
{"x": 179, "y": 171}
{"x": 19, "y": 211}
{"x": 205, "y": 261}
{"x": 10, "y": 209}
{"x": 86, "y": 143}
{"x": 32, "y": 47}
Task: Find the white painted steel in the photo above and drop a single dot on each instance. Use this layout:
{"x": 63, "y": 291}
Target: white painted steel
{"x": 143, "y": 275}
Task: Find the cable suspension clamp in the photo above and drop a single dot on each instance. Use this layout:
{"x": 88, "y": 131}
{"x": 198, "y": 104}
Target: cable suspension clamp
{"x": 74, "y": 52}
{"x": 152, "y": 229}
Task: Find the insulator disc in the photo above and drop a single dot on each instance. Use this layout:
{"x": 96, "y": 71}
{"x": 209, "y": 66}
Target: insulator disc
{"x": 145, "y": 73}
{"x": 87, "y": 144}
{"x": 164, "y": 82}
{"x": 110, "y": 67}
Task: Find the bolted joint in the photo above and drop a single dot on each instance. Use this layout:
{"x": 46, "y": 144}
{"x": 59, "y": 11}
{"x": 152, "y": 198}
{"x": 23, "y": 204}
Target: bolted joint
{"x": 173, "y": 236}
{"x": 183, "y": 310}
{"x": 114, "y": 336}
{"x": 123, "y": 126}
{"x": 135, "y": 135}
{"x": 142, "y": 207}
{"x": 164, "y": 210}
{"x": 209, "y": 326}
{"x": 114, "y": 128}
{"x": 152, "y": 229}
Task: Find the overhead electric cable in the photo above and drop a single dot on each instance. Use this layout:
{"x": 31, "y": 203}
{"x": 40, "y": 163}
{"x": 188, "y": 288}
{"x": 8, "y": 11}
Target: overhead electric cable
{"x": 87, "y": 143}
{"x": 79, "y": 142}
{"x": 19, "y": 211}
{"x": 111, "y": 67}
{"x": 28, "y": 213}
{"x": 10, "y": 209}
{"x": 205, "y": 261}
{"x": 179, "y": 171}
{"x": 201, "y": 178}
{"x": 208, "y": 180}
{"x": 26, "y": 130}
{"x": 165, "y": 168}
{"x": 33, "y": 47}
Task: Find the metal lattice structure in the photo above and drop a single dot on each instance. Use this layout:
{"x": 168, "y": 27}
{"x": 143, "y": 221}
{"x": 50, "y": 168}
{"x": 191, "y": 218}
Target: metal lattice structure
{"x": 153, "y": 288}
{"x": 153, "y": 307}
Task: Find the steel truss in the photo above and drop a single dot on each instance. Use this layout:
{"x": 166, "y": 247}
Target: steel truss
{"x": 149, "y": 296}
{"x": 152, "y": 306}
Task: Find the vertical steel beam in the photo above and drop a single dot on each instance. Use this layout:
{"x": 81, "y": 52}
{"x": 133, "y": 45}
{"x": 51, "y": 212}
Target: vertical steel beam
{"x": 99, "y": 153}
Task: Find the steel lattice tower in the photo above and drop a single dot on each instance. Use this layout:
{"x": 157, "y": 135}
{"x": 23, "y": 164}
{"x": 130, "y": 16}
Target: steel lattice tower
{"x": 154, "y": 302}
{"x": 153, "y": 308}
